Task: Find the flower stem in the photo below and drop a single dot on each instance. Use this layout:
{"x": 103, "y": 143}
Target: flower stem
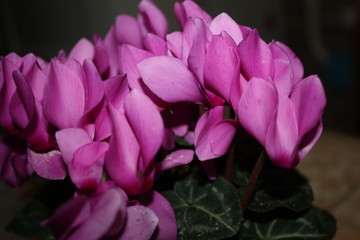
{"x": 252, "y": 181}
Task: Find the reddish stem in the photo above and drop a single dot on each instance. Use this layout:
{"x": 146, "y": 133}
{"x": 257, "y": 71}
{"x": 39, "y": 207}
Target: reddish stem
{"x": 252, "y": 181}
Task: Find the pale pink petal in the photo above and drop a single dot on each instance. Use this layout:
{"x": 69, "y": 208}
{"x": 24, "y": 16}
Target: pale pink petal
{"x": 127, "y": 30}
{"x": 69, "y": 140}
{"x": 170, "y": 80}
{"x": 154, "y": 20}
{"x": 82, "y": 50}
{"x": 221, "y": 136}
{"x": 64, "y": 97}
{"x": 224, "y": 23}
{"x": 175, "y": 159}
{"x": 255, "y": 57}
{"x": 140, "y": 224}
{"x": 221, "y": 66}
{"x": 47, "y": 165}
{"x": 146, "y": 123}
{"x": 309, "y": 99}
{"x": 257, "y": 107}
{"x": 282, "y": 134}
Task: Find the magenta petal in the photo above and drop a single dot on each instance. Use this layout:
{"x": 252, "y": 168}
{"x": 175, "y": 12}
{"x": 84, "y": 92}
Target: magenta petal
{"x": 82, "y": 50}
{"x": 86, "y": 169}
{"x": 174, "y": 159}
{"x": 282, "y": 134}
{"x": 170, "y": 80}
{"x": 203, "y": 129}
{"x": 146, "y": 122}
{"x": 309, "y": 140}
{"x": 221, "y": 136}
{"x": 255, "y": 57}
{"x": 221, "y": 66}
{"x": 189, "y": 9}
{"x": 94, "y": 85}
{"x": 69, "y": 140}
{"x": 154, "y": 19}
{"x": 107, "y": 209}
{"x": 166, "y": 228}
{"x": 64, "y": 97}
{"x": 69, "y": 216}
{"x": 127, "y": 30}
{"x": 130, "y": 57}
{"x": 47, "y": 165}
{"x": 123, "y": 154}
{"x": 257, "y": 107}
{"x": 224, "y": 22}
{"x": 140, "y": 223}
{"x": 155, "y": 44}
{"x": 309, "y": 99}
{"x": 283, "y": 77}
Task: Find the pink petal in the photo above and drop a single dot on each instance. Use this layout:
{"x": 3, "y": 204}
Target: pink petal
{"x": 221, "y": 136}
{"x": 174, "y": 42}
{"x": 154, "y": 19}
{"x": 64, "y": 97}
{"x": 221, "y": 66}
{"x": 203, "y": 130}
{"x": 188, "y": 39}
{"x": 170, "y": 80}
{"x": 94, "y": 85}
{"x": 257, "y": 107}
{"x": 69, "y": 216}
{"x": 140, "y": 224}
{"x": 146, "y": 122}
{"x": 297, "y": 66}
{"x": 255, "y": 57}
{"x": 47, "y": 165}
{"x": 166, "y": 228}
{"x": 224, "y": 23}
{"x": 110, "y": 205}
{"x": 69, "y": 140}
{"x": 309, "y": 100}
{"x": 197, "y": 52}
{"x": 155, "y": 45}
{"x": 36, "y": 78}
{"x": 282, "y": 134}
{"x": 283, "y": 77}
{"x": 123, "y": 154}
{"x": 86, "y": 169}
{"x": 189, "y": 9}
{"x": 308, "y": 141}
{"x": 175, "y": 159}
{"x": 127, "y": 30}
{"x": 82, "y": 50}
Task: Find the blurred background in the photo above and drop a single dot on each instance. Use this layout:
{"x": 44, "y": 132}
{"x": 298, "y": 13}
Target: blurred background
{"x": 325, "y": 34}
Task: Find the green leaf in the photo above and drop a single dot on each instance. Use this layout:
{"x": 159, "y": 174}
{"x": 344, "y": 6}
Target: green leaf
{"x": 277, "y": 187}
{"x": 205, "y": 210}
{"x": 314, "y": 224}
{"x": 28, "y": 222}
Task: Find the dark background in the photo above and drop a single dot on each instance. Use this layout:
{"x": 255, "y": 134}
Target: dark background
{"x": 324, "y": 33}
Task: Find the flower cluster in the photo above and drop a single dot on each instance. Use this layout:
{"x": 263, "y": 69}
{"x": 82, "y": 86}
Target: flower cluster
{"x": 101, "y": 113}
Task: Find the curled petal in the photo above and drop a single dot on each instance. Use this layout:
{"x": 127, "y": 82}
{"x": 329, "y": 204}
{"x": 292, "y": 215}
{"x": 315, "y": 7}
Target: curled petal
{"x": 174, "y": 159}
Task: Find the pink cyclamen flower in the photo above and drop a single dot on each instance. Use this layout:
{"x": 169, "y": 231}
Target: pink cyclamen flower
{"x": 276, "y": 105}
